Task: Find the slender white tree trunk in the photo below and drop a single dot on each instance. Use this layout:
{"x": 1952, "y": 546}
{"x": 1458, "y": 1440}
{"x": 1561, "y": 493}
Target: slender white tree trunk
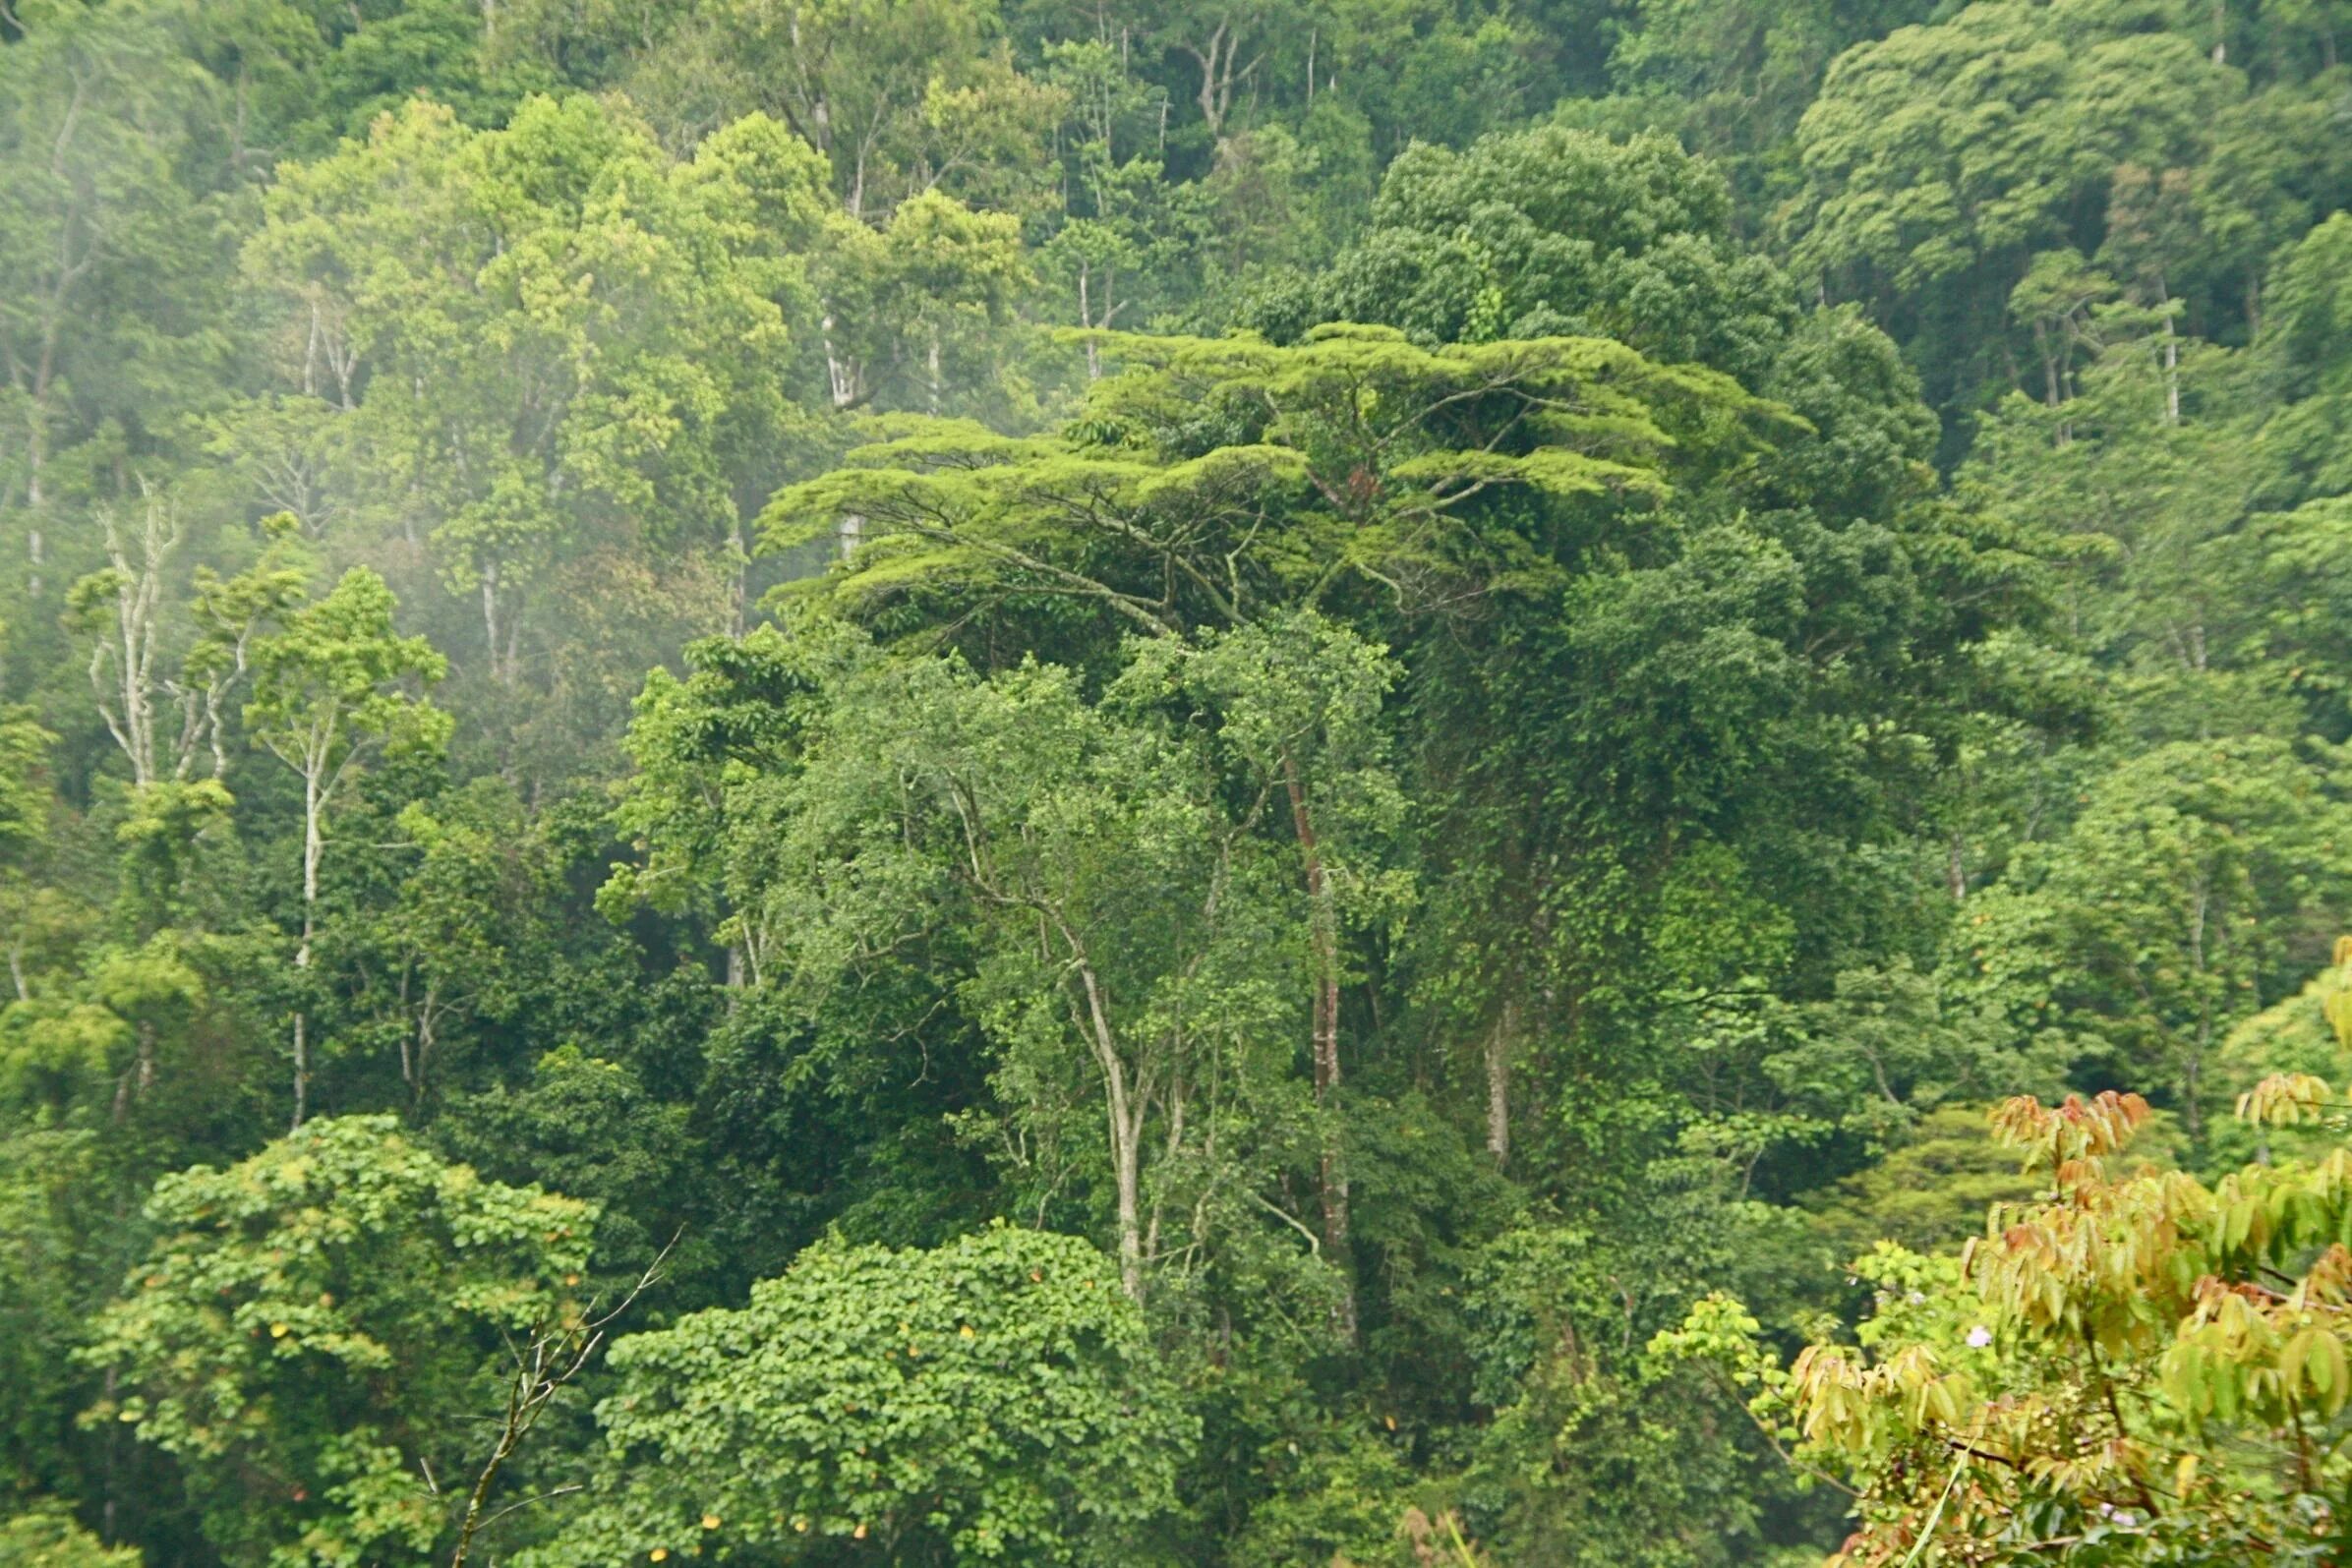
{"x": 1126, "y": 1134}
{"x": 1498, "y": 1084}
{"x": 313, "y": 845}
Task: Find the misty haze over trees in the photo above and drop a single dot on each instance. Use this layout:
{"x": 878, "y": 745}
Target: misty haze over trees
{"x": 937, "y": 782}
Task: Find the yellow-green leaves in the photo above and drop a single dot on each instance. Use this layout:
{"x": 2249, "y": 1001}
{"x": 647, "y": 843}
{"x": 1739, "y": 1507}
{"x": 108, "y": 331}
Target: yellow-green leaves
{"x": 2052, "y": 1138}
{"x": 50, "y": 1537}
{"x": 2133, "y": 1357}
{"x": 1214, "y": 481}
{"x": 2287, "y": 1099}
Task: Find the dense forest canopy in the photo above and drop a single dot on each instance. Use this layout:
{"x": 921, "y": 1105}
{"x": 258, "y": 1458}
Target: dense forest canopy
{"x": 1318, "y": 784}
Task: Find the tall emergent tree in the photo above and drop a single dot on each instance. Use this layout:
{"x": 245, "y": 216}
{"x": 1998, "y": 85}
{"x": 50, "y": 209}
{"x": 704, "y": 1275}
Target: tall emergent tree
{"x": 335, "y": 686}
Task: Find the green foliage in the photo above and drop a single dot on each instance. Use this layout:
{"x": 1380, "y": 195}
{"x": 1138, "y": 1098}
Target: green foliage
{"x": 993, "y": 1399}
{"x": 47, "y": 1179}
{"x": 1944, "y": 145}
{"x": 589, "y": 1128}
{"x": 2162, "y": 919}
{"x": 1106, "y": 915}
{"x": 1380, "y": 454}
{"x": 24, "y": 796}
{"x": 646, "y": 300}
{"x": 1450, "y": 675}
{"x": 55, "y": 1541}
{"x": 310, "y": 1330}
{"x": 2134, "y": 1369}
{"x": 1556, "y": 231}
{"x": 1931, "y": 1191}
{"x": 330, "y": 684}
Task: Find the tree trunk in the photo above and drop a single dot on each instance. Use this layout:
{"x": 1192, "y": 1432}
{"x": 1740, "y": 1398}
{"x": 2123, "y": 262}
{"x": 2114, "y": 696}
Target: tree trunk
{"x": 1216, "y": 60}
{"x": 36, "y": 445}
{"x": 738, "y": 614}
{"x": 1126, "y": 1121}
{"x": 2172, "y": 356}
{"x": 302, "y": 1068}
{"x": 2192, "y": 1070}
{"x": 1086, "y": 319}
{"x": 1125, "y": 1159}
{"x": 313, "y": 845}
{"x": 490, "y": 617}
{"x": 1498, "y": 1084}
{"x": 426, "y": 1028}
{"x": 1325, "y": 944}
{"x": 837, "y": 372}
{"x": 2172, "y": 375}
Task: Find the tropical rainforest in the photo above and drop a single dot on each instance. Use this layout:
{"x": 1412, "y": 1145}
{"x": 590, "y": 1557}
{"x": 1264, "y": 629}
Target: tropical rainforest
{"x": 1383, "y": 782}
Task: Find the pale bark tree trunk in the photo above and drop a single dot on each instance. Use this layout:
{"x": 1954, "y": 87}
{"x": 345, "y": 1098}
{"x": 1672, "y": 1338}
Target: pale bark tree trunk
{"x": 1218, "y": 75}
{"x": 1125, "y": 1115}
{"x": 428, "y": 1033}
{"x": 1086, "y": 319}
{"x": 140, "y": 1077}
{"x": 309, "y": 353}
{"x": 2172, "y": 356}
{"x": 739, "y": 548}
{"x": 129, "y": 708}
{"x": 1499, "y": 1045}
{"x": 314, "y": 850}
{"x": 2172, "y": 375}
{"x": 843, "y": 379}
{"x": 408, "y": 1075}
{"x": 2049, "y": 363}
{"x": 1324, "y": 938}
{"x": 1091, "y": 319}
{"x": 490, "y": 617}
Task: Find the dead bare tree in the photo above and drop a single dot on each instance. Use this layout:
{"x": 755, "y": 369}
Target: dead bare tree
{"x": 556, "y": 1352}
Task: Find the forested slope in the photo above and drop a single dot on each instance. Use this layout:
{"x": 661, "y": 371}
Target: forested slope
{"x": 986, "y": 780}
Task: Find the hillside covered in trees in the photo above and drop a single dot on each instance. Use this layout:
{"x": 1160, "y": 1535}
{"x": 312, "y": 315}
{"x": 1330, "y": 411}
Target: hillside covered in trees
{"x": 952, "y": 782}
